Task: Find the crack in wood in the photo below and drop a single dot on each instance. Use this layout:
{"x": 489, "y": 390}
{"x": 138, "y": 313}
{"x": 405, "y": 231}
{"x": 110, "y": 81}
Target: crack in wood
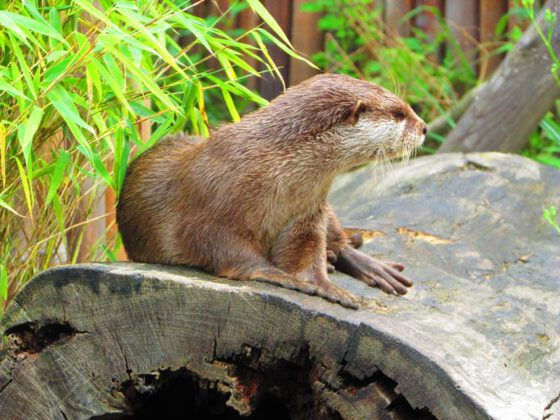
{"x": 32, "y": 337}
{"x": 549, "y": 407}
{"x": 424, "y": 236}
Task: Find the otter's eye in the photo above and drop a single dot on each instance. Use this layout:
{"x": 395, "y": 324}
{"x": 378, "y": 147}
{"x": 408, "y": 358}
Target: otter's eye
{"x": 399, "y": 115}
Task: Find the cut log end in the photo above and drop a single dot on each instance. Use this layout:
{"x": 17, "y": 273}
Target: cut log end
{"x": 97, "y": 341}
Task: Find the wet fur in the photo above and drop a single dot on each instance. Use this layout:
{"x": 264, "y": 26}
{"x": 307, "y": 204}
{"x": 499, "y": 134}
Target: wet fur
{"x": 255, "y": 192}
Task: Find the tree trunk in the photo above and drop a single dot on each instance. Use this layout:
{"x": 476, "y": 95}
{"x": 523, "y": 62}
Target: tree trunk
{"x": 514, "y": 100}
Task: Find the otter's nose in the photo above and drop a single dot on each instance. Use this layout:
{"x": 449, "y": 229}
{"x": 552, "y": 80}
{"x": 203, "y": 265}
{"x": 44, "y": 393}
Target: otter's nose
{"x": 424, "y": 128}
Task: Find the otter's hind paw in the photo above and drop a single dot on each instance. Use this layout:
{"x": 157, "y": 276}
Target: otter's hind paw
{"x": 385, "y": 275}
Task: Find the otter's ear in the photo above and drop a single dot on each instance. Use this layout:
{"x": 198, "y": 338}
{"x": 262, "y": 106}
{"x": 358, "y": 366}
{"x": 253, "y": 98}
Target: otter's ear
{"x": 356, "y": 111}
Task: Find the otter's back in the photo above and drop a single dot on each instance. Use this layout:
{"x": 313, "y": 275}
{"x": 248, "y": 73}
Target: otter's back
{"x": 146, "y": 202}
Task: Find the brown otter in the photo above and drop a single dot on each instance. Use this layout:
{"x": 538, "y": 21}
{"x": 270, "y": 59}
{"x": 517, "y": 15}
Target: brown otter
{"x": 250, "y": 203}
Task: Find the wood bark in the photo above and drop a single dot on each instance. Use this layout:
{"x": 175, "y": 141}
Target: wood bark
{"x": 514, "y": 100}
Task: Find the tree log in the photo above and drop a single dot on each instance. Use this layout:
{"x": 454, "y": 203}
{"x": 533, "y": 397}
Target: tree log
{"x": 443, "y": 124}
{"x": 514, "y": 100}
{"x": 477, "y": 336}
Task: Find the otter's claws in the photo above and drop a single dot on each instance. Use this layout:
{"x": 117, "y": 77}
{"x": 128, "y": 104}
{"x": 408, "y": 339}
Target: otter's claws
{"x": 383, "y": 274}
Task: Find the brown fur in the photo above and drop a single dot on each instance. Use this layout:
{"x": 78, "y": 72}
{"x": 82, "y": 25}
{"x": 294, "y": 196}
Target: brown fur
{"x": 250, "y": 202}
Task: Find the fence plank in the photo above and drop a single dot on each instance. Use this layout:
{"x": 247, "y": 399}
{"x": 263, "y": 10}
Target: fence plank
{"x": 462, "y": 19}
{"x": 428, "y": 21}
{"x": 271, "y": 86}
{"x": 490, "y": 13}
{"x": 307, "y": 39}
{"x": 248, "y": 20}
{"x": 394, "y": 11}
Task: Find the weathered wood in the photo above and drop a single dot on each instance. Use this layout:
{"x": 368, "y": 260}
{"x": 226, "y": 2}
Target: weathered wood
{"x": 271, "y": 85}
{"x": 395, "y": 10}
{"x": 476, "y": 337}
{"x": 491, "y": 11}
{"x": 442, "y": 125}
{"x": 462, "y": 19}
{"x": 514, "y": 100}
{"x": 428, "y": 21}
{"x": 307, "y": 39}
{"x": 248, "y": 20}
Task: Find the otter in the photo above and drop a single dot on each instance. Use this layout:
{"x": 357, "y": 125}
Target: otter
{"x": 250, "y": 202}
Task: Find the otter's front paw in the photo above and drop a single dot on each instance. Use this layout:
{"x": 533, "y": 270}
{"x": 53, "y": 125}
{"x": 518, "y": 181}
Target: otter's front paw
{"x": 383, "y": 274}
{"x": 315, "y": 287}
{"x": 335, "y": 294}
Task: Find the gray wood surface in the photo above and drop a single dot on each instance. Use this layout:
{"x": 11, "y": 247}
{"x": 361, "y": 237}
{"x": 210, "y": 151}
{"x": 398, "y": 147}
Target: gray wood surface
{"x": 476, "y": 337}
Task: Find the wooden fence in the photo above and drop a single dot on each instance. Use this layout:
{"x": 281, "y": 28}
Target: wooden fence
{"x": 472, "y": 21}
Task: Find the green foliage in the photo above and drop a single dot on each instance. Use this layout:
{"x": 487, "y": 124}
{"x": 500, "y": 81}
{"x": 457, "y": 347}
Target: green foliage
{"x": 546, "y": 147}
{"x": 3, "y": 284}
{"x": 544, "y": 144}
{"x": 550, "y": 215}
{"x": 358, "y": 43}
{"x": 78, "y": 82}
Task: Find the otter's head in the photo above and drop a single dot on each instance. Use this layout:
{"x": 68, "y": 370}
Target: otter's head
{"x": 356, "y": 121}
{"x": 367, "y": 121}
{"x": 381, "y": 125}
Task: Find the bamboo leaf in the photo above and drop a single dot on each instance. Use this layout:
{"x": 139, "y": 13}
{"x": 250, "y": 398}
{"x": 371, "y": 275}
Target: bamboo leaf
{"x": 3, "y": 154}
{"x": 3, "y": 282}
{"x": 23, "y": 66}
{"x": 62, "y": 101}
{"x": 25, "y": 183}
{"x": 154, "y": 42}
{"x": 57, "y": 71}
{"x": 57, "y": 176}
{"x": 226, "y": 65}
{"x": 189, "y": 96}
{"x": 156, "y": 135}
{"x": 284, "y": 48}
{"x": 264, "y": 50}
{"x": 34, "y": 25}
{"x": 189, "y": 23}
{"x": 11, "y": 89}
{"x": 242, "y": 64}
{"x": 54, "y": 18}
{"x": 230, "y": 105}
{"x": 145, "y": 80}
{"x": 551, "y": 128}
{"x": 8, "y": 23}
{"x": 30, "y": 129}
{"x": 122, "y": 150}
{"x": 8, "y": 207}
{"x": 100, "y": 169}
{"x": 113, "y": 84}
{"x": 260, "y": 10}
{"x": 93, "y": 81}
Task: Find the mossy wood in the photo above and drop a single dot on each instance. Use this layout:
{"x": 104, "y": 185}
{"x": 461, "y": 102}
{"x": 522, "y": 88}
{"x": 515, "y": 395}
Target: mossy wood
{"x": 476, "y": 337}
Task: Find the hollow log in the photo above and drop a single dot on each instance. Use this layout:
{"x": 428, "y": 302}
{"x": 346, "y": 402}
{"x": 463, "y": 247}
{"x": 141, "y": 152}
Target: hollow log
{"x": 477, "y": 336}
